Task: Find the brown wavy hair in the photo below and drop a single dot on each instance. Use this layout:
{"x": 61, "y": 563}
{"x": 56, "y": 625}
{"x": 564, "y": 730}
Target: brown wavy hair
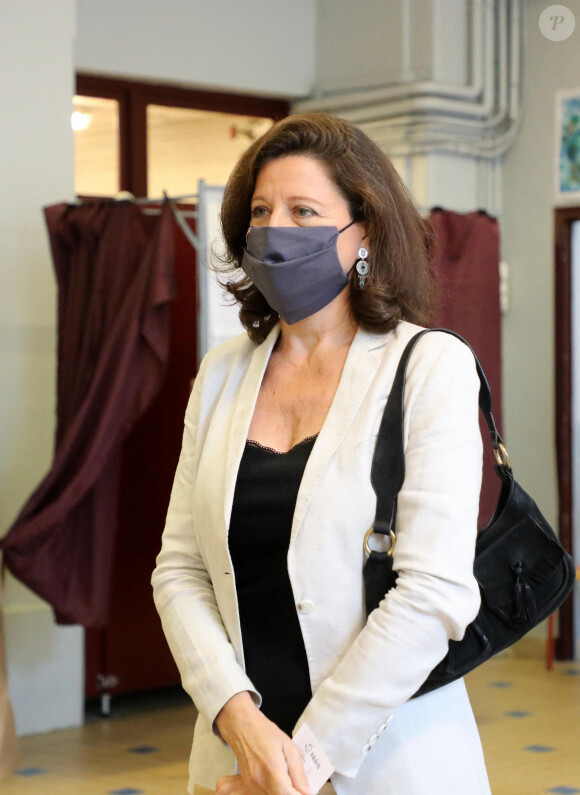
{"x": 400, "y": 285}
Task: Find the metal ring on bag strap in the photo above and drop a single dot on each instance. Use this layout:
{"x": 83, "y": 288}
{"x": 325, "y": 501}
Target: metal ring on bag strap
{"x": 371, "y": 532}
{"x": 501, "y": 455}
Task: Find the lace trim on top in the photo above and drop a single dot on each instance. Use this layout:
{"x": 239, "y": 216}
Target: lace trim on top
{"x": 282, "y": 452}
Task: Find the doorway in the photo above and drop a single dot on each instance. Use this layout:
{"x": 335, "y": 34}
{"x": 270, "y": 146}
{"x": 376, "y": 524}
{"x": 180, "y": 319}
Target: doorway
{"x": 567, "y": 358}
{"x": 144, "y": 138}
{"x": 147, "y": 140}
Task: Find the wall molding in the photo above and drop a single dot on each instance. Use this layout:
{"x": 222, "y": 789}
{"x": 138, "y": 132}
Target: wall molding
{"x": 479, "y": 119}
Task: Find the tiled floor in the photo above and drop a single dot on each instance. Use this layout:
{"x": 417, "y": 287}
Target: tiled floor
{"x": 529, "y": 721}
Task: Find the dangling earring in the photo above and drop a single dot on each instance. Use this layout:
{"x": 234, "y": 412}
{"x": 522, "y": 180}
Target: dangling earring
{"x": 362, "y": 267}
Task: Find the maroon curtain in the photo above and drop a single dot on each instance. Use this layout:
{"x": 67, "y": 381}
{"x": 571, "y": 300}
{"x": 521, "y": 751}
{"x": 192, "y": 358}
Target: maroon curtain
{"x": 467, "y": 271}
{"x": 114, "y": 267}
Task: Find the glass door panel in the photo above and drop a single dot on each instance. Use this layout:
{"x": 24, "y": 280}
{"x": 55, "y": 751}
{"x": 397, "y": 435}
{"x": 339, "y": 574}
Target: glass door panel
{"x": 96, "y": 142}
{"x": 184, "y": 146}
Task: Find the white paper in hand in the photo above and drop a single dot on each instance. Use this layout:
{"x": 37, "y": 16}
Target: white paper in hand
{"x": 316, "y": 764}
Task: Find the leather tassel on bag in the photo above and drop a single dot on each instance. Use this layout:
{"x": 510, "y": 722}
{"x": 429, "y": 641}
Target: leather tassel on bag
{"x": 524, "y": 603}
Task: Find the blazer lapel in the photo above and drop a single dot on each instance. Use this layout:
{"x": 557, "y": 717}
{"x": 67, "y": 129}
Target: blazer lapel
{"x": 359, "y": 371}
{"x": 243, "y": 410}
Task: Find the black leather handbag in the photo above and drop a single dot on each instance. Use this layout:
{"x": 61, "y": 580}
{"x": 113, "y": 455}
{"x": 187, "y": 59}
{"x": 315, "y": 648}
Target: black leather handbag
{"x": 524, "y": 573}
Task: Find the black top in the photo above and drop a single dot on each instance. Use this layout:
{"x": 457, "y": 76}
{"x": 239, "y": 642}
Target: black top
{"x": 263, "y": 508}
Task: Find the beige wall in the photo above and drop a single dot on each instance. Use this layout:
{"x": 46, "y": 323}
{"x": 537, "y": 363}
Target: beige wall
{"x": 253, "y": 46}
{"x": 45, "y": 662}
{"x": 528, "y": 247}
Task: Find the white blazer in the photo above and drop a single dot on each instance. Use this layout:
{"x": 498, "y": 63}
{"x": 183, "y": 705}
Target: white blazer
{"x": 362, "y": 672}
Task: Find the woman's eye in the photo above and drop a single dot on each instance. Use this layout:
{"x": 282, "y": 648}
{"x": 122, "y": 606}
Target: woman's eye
{"x": 304, "y": 212}
{"x": 258, "y": 212}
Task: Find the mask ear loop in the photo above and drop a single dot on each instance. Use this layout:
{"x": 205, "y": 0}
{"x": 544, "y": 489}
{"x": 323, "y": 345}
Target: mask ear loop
{"x": 344, "y": 228}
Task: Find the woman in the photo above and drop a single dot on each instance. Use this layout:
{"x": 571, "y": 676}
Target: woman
{"x": 259, "y": 580}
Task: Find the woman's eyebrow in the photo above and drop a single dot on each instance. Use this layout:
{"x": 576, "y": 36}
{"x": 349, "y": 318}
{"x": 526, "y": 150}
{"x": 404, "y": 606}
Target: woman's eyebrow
{"x": 292, "y": 199}
{"x": 310, "y": 199}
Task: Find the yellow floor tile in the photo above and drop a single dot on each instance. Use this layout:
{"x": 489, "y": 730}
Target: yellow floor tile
{"x": 517, "y": 703}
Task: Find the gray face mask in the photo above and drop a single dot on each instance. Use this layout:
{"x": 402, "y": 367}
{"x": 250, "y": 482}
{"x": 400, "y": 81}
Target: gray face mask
{"x": 296, "y": 268}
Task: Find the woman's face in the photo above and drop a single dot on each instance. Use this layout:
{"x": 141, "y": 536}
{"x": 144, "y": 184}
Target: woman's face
{"x": 295, "y": 190}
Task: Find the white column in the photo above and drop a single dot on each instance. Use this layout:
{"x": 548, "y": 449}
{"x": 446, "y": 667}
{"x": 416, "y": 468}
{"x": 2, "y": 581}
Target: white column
{"x": 45, "y": 662}
{"x": 436, "y": 83}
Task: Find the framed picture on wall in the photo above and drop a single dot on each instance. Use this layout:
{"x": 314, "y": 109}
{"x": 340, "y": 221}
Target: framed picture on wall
{"x": 568, "y": 146}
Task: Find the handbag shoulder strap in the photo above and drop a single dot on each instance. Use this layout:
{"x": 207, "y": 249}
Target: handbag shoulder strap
{"x": 388, "y": 466}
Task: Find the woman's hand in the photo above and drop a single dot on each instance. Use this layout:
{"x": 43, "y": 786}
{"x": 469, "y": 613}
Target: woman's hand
{"x": 269, "y": 762}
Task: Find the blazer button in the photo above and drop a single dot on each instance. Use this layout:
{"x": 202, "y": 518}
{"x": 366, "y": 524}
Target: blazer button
{"x": 306, "y": 606}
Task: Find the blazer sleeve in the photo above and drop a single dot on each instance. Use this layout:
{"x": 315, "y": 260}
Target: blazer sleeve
{"x": 436, "y": 595}
{"x": 183, "y": 592}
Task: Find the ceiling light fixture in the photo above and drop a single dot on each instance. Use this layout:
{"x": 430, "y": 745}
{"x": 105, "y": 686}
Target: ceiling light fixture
{"x": 80, "y": 121}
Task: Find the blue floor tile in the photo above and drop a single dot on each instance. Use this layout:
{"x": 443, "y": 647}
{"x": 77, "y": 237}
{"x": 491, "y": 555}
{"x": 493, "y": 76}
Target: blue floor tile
{"x": 144, "y": 749}
{"x": 563, "y": 790}
{"x": 540, "y": 749}
{"x": 31, "y": 771}
{"x": 518, "y": 713}
{"x": 126, "y": 791}
{"x": 572, "y": 672}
